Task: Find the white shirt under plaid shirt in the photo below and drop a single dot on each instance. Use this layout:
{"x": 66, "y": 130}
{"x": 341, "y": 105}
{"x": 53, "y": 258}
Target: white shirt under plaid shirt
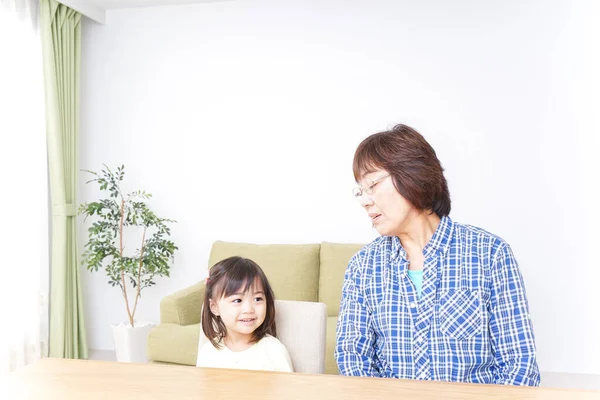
{"x": 471, "y": 323}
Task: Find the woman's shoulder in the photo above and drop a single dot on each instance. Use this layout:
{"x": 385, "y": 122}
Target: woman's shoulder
{"x": 479, "y": 239}
{"x": 473, "y": 232}
{"x": 373, "y": 255}
{"x": 376, "y": 246}
{"x": 379, "y": 243}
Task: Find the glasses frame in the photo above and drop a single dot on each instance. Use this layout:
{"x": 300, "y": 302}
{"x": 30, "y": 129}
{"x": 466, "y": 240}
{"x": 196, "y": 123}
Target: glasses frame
{"x": 358, "y": 191}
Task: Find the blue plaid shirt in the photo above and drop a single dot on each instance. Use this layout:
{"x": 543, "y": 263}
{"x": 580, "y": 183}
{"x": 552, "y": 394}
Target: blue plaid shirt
{"x": 471, "y": 323}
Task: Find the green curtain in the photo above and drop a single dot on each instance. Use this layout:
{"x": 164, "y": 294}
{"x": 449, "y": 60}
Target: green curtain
{"x": 60, "y": 29}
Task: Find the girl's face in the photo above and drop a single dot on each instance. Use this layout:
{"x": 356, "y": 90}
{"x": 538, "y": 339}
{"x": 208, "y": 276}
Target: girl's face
{"x": 389, "y": 212}
{"x": 242, "y": 313}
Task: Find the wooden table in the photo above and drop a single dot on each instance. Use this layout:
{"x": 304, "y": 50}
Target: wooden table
{"x": 78, "y": 379}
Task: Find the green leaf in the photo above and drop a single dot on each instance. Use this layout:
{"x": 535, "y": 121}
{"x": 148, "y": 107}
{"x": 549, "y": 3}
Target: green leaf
{"x": 103, "y": 247}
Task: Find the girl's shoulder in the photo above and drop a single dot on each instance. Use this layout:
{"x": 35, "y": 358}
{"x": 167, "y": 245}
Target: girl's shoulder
{"x": 277, "y": 353}
{"x": 209, "y": 355}
{"x": 272, "y": 345}
{"x": 208, "y": 347}
{"x": 271, "y": 341}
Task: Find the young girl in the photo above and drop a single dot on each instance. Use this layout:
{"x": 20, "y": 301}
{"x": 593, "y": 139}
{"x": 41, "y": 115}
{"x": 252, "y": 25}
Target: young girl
{"x": 238, "y": 318}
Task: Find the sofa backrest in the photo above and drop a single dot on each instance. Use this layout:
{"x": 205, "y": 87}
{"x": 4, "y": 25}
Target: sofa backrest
{"x": 301, "y": 272}
{"x": 292, "y": 269}
{"x": 334, "y": 258}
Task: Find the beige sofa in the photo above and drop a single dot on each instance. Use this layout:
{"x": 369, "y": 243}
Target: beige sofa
{"x": 307, "y": 272}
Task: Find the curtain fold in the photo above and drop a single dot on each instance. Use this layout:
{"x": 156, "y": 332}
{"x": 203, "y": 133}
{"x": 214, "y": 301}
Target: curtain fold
{"x": 24, "y": 199}
{"x": 61, "y": 42}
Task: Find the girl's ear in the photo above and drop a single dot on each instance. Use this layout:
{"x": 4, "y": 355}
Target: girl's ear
{"x": 213, "y": 307}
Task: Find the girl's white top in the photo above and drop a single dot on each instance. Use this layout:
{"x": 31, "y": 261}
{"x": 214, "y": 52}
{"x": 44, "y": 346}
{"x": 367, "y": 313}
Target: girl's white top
{"x": 268, "y": 354}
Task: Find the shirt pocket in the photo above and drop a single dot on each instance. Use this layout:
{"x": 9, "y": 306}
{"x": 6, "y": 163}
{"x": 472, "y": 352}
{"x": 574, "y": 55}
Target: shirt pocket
{"x": 460, "y": 314}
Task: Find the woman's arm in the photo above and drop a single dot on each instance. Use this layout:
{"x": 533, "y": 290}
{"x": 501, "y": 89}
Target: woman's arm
{"x": 355, "y": 348}
{"x": 510, "y": 326}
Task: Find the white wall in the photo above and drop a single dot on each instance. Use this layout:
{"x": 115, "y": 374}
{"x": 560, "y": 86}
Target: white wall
{"x": 241, "y": 117}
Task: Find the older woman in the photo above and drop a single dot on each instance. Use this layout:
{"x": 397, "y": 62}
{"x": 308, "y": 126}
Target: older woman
{"x": 430, "y": 298}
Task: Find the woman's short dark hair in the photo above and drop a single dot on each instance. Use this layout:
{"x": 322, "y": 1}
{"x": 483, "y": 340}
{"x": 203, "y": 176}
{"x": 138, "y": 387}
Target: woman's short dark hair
{"x": 229, "y": 276}
{"x": 412, "y": 163}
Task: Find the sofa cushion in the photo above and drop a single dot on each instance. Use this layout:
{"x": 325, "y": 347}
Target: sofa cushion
{"x": 292, "y": 269}
{"x": 334, "y": 258}
{"x": 302, "y": 328}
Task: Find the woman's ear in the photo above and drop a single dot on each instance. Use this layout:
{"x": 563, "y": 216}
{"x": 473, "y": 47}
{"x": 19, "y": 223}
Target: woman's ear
{"x": 213, "y": 307}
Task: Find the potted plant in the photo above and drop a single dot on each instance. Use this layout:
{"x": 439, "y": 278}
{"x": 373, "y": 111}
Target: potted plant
{"x": 116, "y": 218}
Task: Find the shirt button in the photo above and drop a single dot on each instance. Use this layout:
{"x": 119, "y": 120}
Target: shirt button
{"x": 420, "y": 340}
{"x": 423, "y": 376}
{"x": 474, "y": 292}
{"x": 412, "y": 305}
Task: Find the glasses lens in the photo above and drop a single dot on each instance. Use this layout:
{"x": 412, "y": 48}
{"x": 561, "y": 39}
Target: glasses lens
{"x": 369, "y": 188}
{"x": 357, "y": 192}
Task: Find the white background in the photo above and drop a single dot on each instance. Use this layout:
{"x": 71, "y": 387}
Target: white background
{"x": 242, "y": 117}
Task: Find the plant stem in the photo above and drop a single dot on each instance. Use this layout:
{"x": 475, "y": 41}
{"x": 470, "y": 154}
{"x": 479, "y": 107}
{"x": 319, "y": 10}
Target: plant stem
{"x": 139, "y": 277}
{"x": 123, "y": 283}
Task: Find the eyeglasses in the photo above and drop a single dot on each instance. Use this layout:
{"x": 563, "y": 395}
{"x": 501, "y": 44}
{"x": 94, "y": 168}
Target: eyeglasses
{"x": 369, "y": 188}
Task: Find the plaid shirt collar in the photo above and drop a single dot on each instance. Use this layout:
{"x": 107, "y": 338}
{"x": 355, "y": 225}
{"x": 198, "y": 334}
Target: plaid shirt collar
{"x": 439, "y": 242}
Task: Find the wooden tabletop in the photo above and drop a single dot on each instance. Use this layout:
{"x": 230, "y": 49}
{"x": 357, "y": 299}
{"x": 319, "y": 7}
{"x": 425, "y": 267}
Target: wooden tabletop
{"x": 78, "y": 379}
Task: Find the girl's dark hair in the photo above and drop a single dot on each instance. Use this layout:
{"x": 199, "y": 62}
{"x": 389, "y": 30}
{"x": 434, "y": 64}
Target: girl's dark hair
{"x": 412, "y": 163}
{"x": 229, "y": 276}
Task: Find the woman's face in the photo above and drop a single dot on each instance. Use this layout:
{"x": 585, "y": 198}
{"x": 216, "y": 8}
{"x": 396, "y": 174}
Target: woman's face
{"x": 388, "y": 211}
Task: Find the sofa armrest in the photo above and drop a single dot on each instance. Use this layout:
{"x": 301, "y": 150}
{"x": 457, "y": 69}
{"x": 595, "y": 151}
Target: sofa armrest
{"x": 174, "y": 344}
{"x": 184, "y": 306}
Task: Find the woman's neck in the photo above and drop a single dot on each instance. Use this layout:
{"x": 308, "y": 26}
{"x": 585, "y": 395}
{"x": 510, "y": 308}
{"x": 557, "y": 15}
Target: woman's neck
{"x": 419, "y": 232}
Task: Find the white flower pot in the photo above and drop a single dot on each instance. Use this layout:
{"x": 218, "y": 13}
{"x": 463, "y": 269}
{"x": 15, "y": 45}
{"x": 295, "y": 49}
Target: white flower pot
{"x": 130, "y": 343}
